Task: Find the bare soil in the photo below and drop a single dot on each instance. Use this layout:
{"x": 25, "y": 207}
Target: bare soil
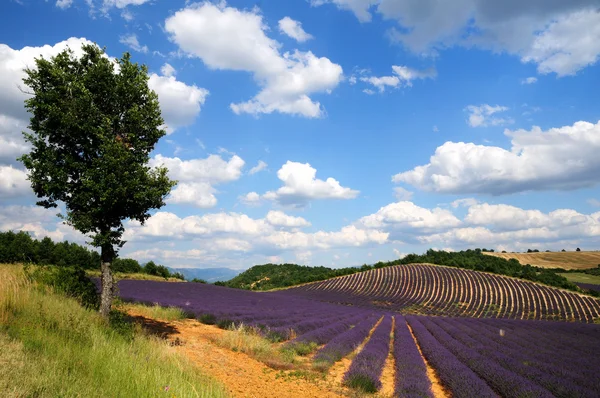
{"x": 244, "y": 376}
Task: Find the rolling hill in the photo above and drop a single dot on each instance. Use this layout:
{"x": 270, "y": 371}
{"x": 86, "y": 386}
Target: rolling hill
{"x": 564, "y": 260}
{"x": 427, "y": 289}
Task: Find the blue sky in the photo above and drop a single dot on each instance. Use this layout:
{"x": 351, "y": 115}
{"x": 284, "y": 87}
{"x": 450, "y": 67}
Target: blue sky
{"x": 338, "y": 132}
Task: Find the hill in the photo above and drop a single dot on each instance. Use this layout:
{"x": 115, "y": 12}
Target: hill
{"x": 273, "y": 276}
{"x": 427, "y": 289}
{"x": 564, "y": 260}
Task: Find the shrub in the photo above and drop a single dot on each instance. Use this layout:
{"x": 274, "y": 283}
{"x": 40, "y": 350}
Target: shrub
{"x": 198, "y": 280}
{"x": 207, "y": 319}
{"x": 72, "y": 282}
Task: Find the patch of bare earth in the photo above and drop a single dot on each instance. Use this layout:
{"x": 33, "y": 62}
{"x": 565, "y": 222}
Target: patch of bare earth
{"x": 242, "y": 375}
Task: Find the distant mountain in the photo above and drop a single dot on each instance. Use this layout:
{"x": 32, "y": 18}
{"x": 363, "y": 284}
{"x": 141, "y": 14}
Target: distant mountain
{"x": 208, "y": 274}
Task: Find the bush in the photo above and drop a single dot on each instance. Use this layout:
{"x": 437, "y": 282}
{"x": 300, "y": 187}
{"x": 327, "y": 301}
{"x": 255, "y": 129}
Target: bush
{"x": 72, "y": 282}
{"x": 208, "y": 319}
{"x": 198, "y": 280}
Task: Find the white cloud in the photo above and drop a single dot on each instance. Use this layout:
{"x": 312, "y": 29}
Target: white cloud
{"x": 120, "y": 4}
{"x": 231, "y": 39}
{"x": 132, "y": 42}
{"x": 13, "y": 182}
{"x": 258, "y": 168}
{"x": 250, "y": 199}
{"x": 293, "y": 29}
{"x": 403, "y": 75}
{"x": 259, "y": 233}
{"x": 482, "y": 116}
{"x": 280, "y": 219}
{"x": 402, "y": 194}
{"x": 198, "y": 194}
{"x": 180, "y": 104}
{"x": 562, "y": 158}
{"x": 167, "y": 70}
{"x": 465, "y": 202}
{"x": 559, "y": 36}
{"x": 197, "y": 177}
{"x": 12, "y": 144}
{"x": 301, "y": 186}
{"x": 64, "y": 4}
{"x": 529, "y": 80}
{"x": 407, "y": 216}
{"x": 568, "y": 44}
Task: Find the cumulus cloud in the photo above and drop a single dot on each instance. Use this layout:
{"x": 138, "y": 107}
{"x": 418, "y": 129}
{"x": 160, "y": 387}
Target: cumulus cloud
{"x": 168, "y": 70}
{"x": 483, "y": 116}
{"x": 231, "y": 39}
{"x": 260, "y": 234}
{"x": 132, "y": 42}
{"x": 258, "y": 168}
{"x": 407, "y": 216}
{"x": 280, "y": 219}
{"x": 300, "y": 186}
{"x": 561, "y": 37}
{"x": 293, "y": 29}
{"x": 13, "y": 182}
{"x": 251, "y": 199}
{"x": 180, "y": 104}
{"x": 403, "y": 76}
{"x": 197, "y": 177}
{"x": 563, "y": 158}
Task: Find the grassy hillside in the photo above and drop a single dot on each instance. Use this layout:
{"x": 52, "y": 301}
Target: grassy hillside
{"x": 564, "y": 260}
{"x": 272, "y": 276}
{"x": 51, "y": 347}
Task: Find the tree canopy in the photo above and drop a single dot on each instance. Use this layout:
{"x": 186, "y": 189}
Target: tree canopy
{"x": 94, "y": 123}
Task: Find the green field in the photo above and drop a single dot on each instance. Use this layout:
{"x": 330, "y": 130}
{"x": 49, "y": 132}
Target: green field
{"x": 577, "y": 277}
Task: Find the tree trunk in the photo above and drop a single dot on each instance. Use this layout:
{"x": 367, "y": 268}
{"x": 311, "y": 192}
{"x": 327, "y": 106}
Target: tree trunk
{"x": 106, "y": 296}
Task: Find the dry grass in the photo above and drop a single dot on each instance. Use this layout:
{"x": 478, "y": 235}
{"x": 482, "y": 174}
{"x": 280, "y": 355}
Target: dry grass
{"x": 154, "y": 312}
{"x": 565, "y": 260}
{"x": 247, "y": 340}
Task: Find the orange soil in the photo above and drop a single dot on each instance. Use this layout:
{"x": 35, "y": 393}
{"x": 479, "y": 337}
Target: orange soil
{"x": 241, "y": 375}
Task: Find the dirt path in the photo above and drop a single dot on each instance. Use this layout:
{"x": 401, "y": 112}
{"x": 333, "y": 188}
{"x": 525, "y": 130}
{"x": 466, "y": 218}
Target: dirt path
{"x": 241, "y": 375}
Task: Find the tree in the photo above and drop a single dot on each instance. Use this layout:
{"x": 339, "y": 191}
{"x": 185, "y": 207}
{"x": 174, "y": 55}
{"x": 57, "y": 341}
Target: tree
{"x": 578, "y": 250}
{"x": 93, "y": 128}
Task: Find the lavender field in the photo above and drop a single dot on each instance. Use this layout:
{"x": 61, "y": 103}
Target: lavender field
{"x": 471, "y": 355}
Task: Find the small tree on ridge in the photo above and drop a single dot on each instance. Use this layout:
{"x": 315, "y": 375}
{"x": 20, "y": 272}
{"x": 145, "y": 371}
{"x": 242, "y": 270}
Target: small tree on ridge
{"x": 93, "y": 130}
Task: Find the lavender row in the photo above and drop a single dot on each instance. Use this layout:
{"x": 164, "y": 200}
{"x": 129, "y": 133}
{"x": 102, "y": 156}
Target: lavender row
{"x": 344, "y": 343}
{"x": 505, "y": 382}
{"x": 454, "y": 374}
{"x": 366, "y": 368}
{"x": 549, "y": 372}
{"x": 325, "y": 334}
{"x": 437, "y": 290}
{"x": 411, "y": 372}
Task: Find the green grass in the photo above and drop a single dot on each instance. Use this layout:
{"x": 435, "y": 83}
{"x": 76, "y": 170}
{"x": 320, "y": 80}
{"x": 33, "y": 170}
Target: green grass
{"x": 577, "y": 277}
{"x": 52, "y": 347}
